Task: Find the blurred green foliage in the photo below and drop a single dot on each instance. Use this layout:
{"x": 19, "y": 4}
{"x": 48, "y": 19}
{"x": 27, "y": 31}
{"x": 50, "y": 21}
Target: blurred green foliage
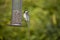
{"x": 44, "y": 20}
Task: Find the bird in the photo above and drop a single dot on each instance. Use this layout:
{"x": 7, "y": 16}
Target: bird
{"x": 26, "y": 15}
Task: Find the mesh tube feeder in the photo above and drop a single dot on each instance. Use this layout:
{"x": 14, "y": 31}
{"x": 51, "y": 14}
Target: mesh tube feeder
{"x": 16, "y": 13}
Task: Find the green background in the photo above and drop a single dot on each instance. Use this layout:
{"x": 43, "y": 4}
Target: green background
{"x": 44, "y": 20}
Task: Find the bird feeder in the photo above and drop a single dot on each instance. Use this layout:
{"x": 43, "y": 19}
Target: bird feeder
{"x": 16, "y": 13}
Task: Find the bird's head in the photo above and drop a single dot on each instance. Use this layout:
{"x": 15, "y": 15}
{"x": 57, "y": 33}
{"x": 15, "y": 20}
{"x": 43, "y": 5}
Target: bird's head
{"x": 26, "y": 11}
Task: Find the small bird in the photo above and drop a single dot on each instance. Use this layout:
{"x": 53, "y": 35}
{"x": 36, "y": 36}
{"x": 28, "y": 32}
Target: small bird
{"x": 26, "y": 15}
